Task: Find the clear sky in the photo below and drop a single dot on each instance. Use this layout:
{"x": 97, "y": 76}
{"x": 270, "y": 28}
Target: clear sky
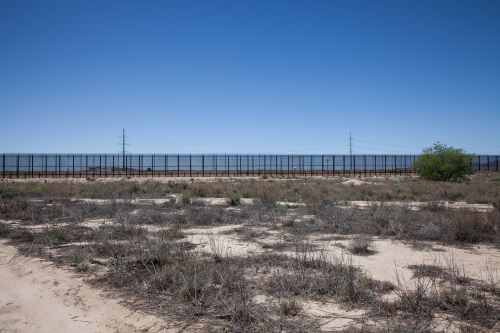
{"x": 249, "y": 76}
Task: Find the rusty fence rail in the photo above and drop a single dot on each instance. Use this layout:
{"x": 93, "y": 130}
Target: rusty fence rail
{"x": 169, "y": 165}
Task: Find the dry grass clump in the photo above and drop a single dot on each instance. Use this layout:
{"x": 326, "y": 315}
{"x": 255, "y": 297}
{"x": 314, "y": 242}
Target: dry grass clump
{"x": 446, "y": 289}
{"x": 80, "y": 259}
{"x": 460, "y": 301}
{"x": 445, "y": 225}
{"x": 172, "y": 233}
{"x": 205, "y": 215}
{"x": 290, "y": 307}
{"x": 234, "y": 199}
{"x": 315, "y": 276}
{"x": 361, "y": 245}
{"x": 246, "y": 233}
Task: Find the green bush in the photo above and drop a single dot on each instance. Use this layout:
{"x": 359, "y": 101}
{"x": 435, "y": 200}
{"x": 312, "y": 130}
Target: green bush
{"x": 235, "y": 199}
{"x": 7, "y": 194}
{"x": 443, "y": 163}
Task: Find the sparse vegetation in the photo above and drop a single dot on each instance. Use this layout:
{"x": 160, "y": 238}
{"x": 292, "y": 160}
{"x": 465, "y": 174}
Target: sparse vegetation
{"x": 80, "y": 259}
{"x": 235, "y": 199}
{"x": 290, "y": 307}
{"x": 183, "y": 255}
{"x": 361, "y": 245}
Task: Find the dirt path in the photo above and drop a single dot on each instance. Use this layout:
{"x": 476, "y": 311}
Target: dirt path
{"x": 36, "y": 296}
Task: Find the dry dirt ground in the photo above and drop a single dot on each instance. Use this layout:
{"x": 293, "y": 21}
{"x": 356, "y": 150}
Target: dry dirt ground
{"x": 38, "y": 296}
{"x": 41, "y": 292}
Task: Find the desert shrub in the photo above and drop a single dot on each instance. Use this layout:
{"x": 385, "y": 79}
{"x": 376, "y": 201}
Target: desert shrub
{"x": 172, "y": 233}
{"x": 200, "y": 191}
{"x": 22, "y": 204}
{"x": 7, "y": 194}
{"x": 205, "y": 215}
{"x": 80, "y": 259}
{"x": 316, "y": 276}
{"x": 471, "y": 227}
{"x": 248, "y": 234}
{"x": 361, "y": 245}
{"x": 57, "y": 236}
{"x": 185, "y": 200}
{"x": 19, "y": 234}
{"x": 235, "y": 199}
{"x": 177, "y": 187}
{"x": 267, "y": 193}
{"x": 443, "y": 163}
{"x": 290, "y": 307}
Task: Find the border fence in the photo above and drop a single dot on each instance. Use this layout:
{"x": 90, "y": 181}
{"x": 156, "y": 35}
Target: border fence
{"x": 168, "y": 165}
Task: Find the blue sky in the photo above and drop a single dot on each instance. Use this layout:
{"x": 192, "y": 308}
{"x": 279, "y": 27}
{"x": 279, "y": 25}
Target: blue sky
{"x": 249, "y": 76}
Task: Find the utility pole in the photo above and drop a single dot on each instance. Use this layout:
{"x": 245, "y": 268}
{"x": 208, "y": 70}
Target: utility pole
{"x": 123, "y": 145}
{"x": 350, "y": 145}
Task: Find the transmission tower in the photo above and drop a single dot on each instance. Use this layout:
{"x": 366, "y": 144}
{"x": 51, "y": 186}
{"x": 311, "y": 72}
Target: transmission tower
{"x": 123, "y": 147}
{"x": 350, "y": 145}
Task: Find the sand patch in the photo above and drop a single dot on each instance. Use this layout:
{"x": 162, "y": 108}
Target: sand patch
{"x": 355, "y": 182}
{"x": 36, "y": 296}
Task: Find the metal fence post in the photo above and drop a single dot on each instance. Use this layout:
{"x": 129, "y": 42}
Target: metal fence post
{"x": 216, "y": 159}
{"x": 333, "y": 165}
{"x": 353, "y": 163}
{"x": 3, "y": 166}
{"x": 312, "y": 164}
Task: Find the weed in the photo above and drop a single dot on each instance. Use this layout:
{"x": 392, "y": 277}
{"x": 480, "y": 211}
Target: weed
{"x": 235, "y": 199}
{"x": 57, "y": 236}
{"x": 290, "y": 307}
{"x": 361, "y": 245}
{"x": 80, "y": 259}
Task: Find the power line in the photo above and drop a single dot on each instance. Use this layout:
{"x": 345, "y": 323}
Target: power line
{"x": 383, "y": 144}
{"x": 242, "y": 145}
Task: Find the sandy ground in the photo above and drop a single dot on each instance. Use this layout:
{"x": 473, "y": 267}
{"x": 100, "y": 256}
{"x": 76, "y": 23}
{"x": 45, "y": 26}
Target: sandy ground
{"x": 36, "y": 296}
{"x": 350, "y": 179}
{"x": 413, "y": 205}
{"x": 479, "y": 261}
